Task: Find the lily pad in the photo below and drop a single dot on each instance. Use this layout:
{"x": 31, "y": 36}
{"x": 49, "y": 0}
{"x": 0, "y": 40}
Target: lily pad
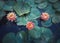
{"x": 22, "y": 9}
{"x": 58, "y": 41}
{"x": 42, "y": 5}
{"x": 21, "y": 35}
{"x": 2, "y": 14}
{"x": 7, "y": 8}
{"x": 50, "y": 10}
{"x": 31, "y": 3}
{"x": 21, "y": 21}
{"x": 9, "y": 38}
{"x": 47, "y": 23}
{"x": 46, "y": 34}
{"x": 39, "y": 1}
{"x": 35, "y": 32}
{"x": 52, "y": 1}
{"x": 57, "y": 6}
{"x": 56, "y": 19}
{"x": 1, "y": 4}
{"x": 34, "y": 14}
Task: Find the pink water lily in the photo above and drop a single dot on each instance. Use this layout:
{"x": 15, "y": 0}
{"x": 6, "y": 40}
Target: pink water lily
{"x": 30, "y": 25}
{"x": 45, "y": 16}
{"x": 11, "y": 16}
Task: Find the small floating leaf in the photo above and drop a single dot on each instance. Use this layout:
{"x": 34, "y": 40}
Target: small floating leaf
{"x": 39, "y": 1}
{"x": 56, "y": 19}
{"x": 42, "y": 5}
{"x": 47, "y": 23}
{"x": 52, "y": 1}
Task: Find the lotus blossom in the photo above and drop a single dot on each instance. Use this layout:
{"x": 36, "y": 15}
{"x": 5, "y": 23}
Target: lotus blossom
{"x": 11, "y": 16}
{"x": 30, "y": 25}
{"x": 45, "y": 16}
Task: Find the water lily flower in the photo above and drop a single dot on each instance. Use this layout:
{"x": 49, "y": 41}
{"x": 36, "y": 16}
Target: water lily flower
{"x": 45, "y": 16}
{"x": 30, "y": 25}
{"x": 11, "y": 16}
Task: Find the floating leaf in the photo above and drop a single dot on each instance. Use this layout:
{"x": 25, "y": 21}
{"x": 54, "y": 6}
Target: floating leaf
{"x": 42, "y": 5}
{"x": 9, "y": 38}
{"x": 46, "y": 34}
{"x": 21, "y": 36}
{"x": 31, "y": 3}
{"x": 50, "y": 10}
{"x": 56, "y": 19}
{"x": 7, "y": 8}
{"x": 35, "y": 33}
{"x": 2, "y": 14}
{"x": 39, "y": 1}
{"x": 52, "y": 1}
{"x": 34, "y": 14}
{"x": 1, "y": 4}
{"x": 21, "y": 21}
{"x": 10, "y": 2}
{"x": 47, "y": 23}
{"x": 58, "y": 41}
{"x": 22, "y": 9}
{"x": 57, "y": 6}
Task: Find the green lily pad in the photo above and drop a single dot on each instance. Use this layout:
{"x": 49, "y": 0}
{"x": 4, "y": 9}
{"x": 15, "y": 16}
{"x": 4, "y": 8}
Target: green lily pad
{"x": 22, "y": 9}
{"x": 46, "y": 34}
{"x": 42, "y": 5}
{"x": 34, "y": 14}
{"x": 50, "y": 10}
{"x": 7, "y": 8}
{"x": 57, "y": 6}
{"x": 39, "y": 1}
{"x": 10, "y": 2}
{"x": 35, "y": 32}
{"x": 31, "y": 3}
{"x": 1, "y": 4}
{"x": 21, "y": 21}
{"x": 58, "y": 41}
{"x": 9, "y": 38}
{"x": 22, "y": 36}
{"x": 2, "y": 14}
{"x": 56, "y": 19}
{"x": 52, "y": 1}
{"x": 47, "y": 23}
